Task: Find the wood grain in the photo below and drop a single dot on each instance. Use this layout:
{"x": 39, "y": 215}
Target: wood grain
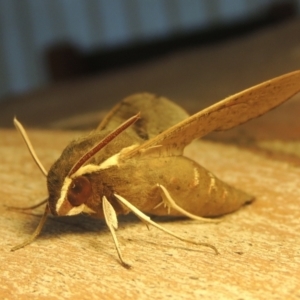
{"x": 75, "y": 257}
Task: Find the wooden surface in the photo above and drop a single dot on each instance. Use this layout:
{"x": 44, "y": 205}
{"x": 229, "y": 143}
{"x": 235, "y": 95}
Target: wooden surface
{"x": 75, "y": 258}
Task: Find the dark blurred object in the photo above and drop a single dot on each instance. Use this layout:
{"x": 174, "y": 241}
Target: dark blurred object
{"x": 281, "y": 11}
{"x": 66, "y": 61}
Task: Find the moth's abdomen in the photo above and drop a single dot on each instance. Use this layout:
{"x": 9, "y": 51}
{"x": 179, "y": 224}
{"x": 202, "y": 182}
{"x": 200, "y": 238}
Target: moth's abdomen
{"x": 194, "y": 188}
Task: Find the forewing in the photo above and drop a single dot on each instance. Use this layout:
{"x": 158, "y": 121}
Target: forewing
{"x": 157, "y": 115}
{"x": 223, "y": 115}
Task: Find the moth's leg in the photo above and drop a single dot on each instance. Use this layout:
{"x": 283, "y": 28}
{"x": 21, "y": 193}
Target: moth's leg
{"x": 112, "y": 223}
{"x": 147, "y": 219}
{"x": 36, "y": 232}
{"x": 29, "y": 207}
{"x": 144, "y": 222}
{"x": 169, "y": 202}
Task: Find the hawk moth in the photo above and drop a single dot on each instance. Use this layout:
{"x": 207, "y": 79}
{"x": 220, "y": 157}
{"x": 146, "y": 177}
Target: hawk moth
{"x": 134, "y": 162}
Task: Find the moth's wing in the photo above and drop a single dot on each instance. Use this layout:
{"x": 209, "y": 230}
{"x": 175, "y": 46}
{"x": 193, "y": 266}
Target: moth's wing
{"x": 157, "y": 115}
{"x": 223, "y": 115}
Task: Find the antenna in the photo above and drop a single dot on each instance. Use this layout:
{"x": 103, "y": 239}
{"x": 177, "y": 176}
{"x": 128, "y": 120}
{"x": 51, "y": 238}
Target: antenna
{"x": 25, "y": 137}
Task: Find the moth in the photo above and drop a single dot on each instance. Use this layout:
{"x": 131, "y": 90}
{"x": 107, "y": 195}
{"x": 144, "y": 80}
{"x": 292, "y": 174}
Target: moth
{"x": 134, "y": 162}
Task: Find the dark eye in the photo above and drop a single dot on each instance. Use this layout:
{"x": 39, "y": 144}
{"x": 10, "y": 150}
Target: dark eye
{"x": 79, "y": 191}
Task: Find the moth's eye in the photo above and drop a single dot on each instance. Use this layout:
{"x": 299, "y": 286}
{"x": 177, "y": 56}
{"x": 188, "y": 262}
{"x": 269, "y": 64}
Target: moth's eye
{"x": 79, "y": 191}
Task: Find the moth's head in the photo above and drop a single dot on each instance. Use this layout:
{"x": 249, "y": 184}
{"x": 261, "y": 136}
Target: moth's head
{"x": 70, "y": 193}
{"x": 74, "y": 197}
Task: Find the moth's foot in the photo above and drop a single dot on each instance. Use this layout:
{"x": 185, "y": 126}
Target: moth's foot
{"x": 125, "y": 264}
{"x": 22, "y": 245}
{"x": 36, "y": 232}
{"x": 211, "y": 247}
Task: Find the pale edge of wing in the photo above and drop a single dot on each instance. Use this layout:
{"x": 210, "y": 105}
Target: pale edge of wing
{"x": 230, "y": 112}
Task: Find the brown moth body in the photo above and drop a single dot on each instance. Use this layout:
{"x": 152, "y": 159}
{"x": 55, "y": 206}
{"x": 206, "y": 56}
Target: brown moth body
{"x": 192, "y": 187}
{"x": 143, "y": 170}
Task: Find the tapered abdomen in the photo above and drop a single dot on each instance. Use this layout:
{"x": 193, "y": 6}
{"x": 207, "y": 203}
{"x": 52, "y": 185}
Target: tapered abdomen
{"x": 191, "y": 186}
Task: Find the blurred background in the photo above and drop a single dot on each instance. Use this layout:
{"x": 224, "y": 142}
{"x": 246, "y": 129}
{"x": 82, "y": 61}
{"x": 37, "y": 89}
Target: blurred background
{"x": 52, "y": 50}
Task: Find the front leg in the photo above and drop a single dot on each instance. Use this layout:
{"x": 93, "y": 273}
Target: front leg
{"x": 111, "y": 220}
{"x": 36, "y": 232}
